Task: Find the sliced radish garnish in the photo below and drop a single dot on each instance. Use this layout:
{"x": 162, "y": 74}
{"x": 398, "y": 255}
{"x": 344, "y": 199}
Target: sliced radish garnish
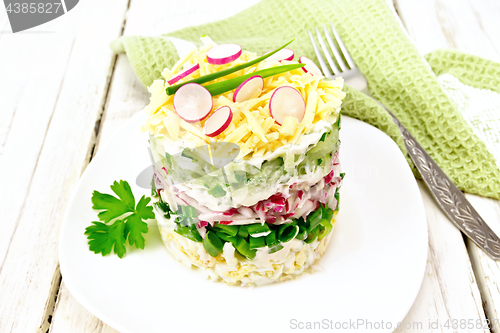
{"x": 182, "y": 75}
{"x": 248, "y": 89}
{"x": 192, "y": 102}
{"x": 286, "y": 101}
{"x": 283, "y": 54}
{"x": 310, "y": 66}
{"x": 223, "y": 54}
{"x": 218, "y": 121}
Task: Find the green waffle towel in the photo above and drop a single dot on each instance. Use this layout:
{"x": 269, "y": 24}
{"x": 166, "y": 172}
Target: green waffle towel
{"x": 448, "y": 106}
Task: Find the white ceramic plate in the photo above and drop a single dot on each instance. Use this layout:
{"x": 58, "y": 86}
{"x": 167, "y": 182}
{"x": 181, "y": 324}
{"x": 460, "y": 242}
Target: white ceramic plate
{"x": 371, "y": 272}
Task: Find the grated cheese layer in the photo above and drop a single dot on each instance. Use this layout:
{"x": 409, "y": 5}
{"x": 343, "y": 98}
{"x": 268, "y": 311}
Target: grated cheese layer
{"x": 252, "y": 128}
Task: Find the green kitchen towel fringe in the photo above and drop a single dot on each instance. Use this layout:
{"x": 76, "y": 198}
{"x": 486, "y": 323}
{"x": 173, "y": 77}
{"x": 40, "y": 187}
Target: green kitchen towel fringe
{"x": 397, "y": 74}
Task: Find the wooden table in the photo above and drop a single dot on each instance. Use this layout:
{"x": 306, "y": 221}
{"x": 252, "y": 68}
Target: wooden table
{"x": 63, "y": 94}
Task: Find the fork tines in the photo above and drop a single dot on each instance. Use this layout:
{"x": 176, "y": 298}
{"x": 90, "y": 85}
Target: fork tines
{"x": 341, "y": 61}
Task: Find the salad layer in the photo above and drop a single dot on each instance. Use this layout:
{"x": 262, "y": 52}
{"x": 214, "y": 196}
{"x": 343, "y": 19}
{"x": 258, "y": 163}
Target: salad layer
{"x": 292, "y": 259}
{"x": 253, "y": 126}
{"x": 285, "y": 200}
{"x": 245, "y": 154}
{"x": 242, "y": 183}
{"x": 309, "y": 222}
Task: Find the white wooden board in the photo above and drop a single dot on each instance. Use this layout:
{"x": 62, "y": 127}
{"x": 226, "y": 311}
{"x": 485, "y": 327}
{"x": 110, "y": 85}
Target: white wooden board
{"x": 471, "y": 27}
{"x": 54, "y": 89}
{"x": 55, "y": 111}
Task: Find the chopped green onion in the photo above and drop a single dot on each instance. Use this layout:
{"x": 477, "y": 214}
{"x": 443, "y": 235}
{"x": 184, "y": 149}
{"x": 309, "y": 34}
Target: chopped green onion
{"x": 257, "y": 228}
{"x": 314, "y": 218}
{"x": 302, "y": 233}
{"x": 287, "y": 232}
{"x": 212, "y": 244}
{"x": 325, "y": 228}
{"x": 271, "y": 239}
{"x": 163, "y": 206}
{"x": 321, "y": 232}
{"x": 154, "y": 193}
{"x": 230, "y": 84}
{"x": 231, "y": 230}
{"x": 186, "y": 220}
{"x": 243, "y": 248}
{"x": 342, "y": 175}
{"x": 190, "y": 233}
{"x": 187, "y": 153}
{"x": 243, "y": 232}
{"x": 311, "y": 237}
{"x": 188, "y": 211}
{"x": 338, "y": 120}
{"x": 210, "y": 77}
{"x": 337, "y": 196}
{"x": 256, "y": 242}
{"x": 240, "y": 176}
{"x": 327, "y": 214}
{"x": 275, "y": 248}
{"x": 227, "y": 238}
{"x": 217, "y": 191}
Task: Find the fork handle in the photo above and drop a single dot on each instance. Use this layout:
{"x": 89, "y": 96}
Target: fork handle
{"x": 449, "y": 197}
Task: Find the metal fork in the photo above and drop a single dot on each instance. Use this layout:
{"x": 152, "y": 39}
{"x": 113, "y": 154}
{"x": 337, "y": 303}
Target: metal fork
{"x": 447, "y": 195}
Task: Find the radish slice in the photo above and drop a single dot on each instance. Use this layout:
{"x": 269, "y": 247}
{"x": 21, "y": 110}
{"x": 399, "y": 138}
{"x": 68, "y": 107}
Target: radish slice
{"x": 182, "y": 75}
{"x": 283, "y": 54}
{"x": 310, "y": 66}
{"x": 218, "y": 121}
{"x": 223, "y": 54}
{"x": 287, "y": 101}
{"x": 192, "y": 102}
{"x": 248, "y": 89}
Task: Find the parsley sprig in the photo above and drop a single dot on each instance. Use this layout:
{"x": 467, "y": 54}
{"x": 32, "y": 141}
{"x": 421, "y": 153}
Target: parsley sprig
{"x": 120, "y": 219}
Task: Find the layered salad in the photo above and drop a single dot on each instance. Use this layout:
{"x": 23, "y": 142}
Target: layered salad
{"x": 246, "y": 168}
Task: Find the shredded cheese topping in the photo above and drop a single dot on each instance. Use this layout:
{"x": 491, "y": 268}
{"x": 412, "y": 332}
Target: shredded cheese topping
{"x": 252, "y": 127}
